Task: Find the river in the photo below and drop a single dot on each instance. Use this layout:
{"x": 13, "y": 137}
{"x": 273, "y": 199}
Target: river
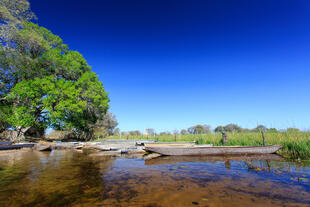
{"x": 71, "y": 178}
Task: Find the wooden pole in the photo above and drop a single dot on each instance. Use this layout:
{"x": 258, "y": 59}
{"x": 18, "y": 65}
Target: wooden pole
{"x": 263, "y": 135}
{"x": 224, "y": 138}
{"x": 175, "y": 137}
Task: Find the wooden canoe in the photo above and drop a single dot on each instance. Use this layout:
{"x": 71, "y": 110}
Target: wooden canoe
{"x": 15, "y": 146}
{"x": 159, "y": 144}
{"x": 10, "y": 147}
{"x": 6, "y": 143}
{"x": 25, "y": 145}
{"x": 219, "y": 150}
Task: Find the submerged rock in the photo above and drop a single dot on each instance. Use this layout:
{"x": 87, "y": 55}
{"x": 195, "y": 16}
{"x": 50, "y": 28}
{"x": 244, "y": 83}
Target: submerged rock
{"x": 151, "y": 156}
{"x": 107, "y": 153}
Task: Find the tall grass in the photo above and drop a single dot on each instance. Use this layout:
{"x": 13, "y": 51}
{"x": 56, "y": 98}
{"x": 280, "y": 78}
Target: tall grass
{"x": 296, "y": 145}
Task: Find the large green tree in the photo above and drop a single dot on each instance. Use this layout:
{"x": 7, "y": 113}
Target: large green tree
{"x": 13, "y": 13}
{"x": 43, "y": 83}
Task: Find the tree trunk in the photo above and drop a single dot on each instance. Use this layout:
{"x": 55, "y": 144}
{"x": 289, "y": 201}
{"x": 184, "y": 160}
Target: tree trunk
{"x": 18, "y": 134}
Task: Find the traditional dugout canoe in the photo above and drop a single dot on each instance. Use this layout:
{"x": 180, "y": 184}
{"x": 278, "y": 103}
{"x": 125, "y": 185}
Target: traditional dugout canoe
{"x": 25, "y": 145}
{"x": 15, "y": 146}
{"x": 10, "y": 147}
{"x": 219, "y": 150}
{"x": 6, "y": 143}
{"x": 160, "y": 144}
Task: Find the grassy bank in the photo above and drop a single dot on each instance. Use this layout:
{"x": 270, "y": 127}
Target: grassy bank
{"x": 295, "y": 144}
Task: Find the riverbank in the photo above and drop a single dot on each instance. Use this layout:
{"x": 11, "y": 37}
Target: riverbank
{"x": 114, "y": 148}
{"x": 296, "y": 145}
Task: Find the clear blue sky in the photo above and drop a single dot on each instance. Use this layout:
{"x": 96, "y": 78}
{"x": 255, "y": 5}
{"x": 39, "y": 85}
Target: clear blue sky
{"x": 171, "y": 64}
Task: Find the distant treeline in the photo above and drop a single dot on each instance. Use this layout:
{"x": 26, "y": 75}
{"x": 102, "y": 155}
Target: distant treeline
{"x": 203, "y": 129}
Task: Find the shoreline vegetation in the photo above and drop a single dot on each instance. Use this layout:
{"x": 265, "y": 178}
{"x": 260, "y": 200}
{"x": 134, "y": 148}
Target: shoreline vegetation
{"x": 45, "y": 85}
{"x": 296, "y": 145}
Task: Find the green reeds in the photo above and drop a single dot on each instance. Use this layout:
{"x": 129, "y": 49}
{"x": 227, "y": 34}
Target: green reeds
{"x": 296, "y": 145}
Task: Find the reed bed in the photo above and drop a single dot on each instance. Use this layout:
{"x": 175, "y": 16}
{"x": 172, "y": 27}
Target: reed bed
{"x": 296, "y": 145}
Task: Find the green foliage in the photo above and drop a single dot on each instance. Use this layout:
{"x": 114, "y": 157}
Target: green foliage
{"x": 42, "y": 82}
{"x": 5, "y": 110}
{"x": 135, "y": 133}
{"x": 232, "y": 128}
{"x": 106, "y": 126}
{"x": 58, "y": 103}
{"x": 260, "y": 128}
{"x": 15, "y": 11}
{"x": 117, "y": 132}
{"x": 292, "y": 130}
{"x": 199, "y": 129}
{"x": 219, "y": 129}
{"x": 183, "y": 131}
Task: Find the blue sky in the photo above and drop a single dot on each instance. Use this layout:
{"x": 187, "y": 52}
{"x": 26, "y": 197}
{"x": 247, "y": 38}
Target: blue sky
{"x": 171, "y": 64}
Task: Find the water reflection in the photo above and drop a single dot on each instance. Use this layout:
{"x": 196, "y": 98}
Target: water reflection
{"x": 68, "y": 178}
{"x": 59, "y": 178}
{"x": 178, "y": 159}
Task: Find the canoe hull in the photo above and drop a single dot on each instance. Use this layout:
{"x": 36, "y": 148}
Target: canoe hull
{"x": 41, "y": 147}
{"x": 10, "y": 147}
{"x": 167, "y": 144}
{"x": 16, "y": 146}
{"x": 6, "y": 143}
{"x": 231, "y": 150}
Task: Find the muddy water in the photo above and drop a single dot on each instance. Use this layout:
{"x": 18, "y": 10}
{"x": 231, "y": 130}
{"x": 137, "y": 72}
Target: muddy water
{"x": 68, "y": 178}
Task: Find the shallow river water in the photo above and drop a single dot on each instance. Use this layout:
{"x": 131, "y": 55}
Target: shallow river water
{"x": 69, "y": 178}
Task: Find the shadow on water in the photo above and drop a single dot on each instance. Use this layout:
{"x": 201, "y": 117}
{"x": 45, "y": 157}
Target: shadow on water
{"x": 69, "y": 178}
{"x": 58, "y": 178}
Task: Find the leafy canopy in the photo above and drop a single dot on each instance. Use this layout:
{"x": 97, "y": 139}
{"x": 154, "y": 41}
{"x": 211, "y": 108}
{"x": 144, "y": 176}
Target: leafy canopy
{"x": 42, "y": 82}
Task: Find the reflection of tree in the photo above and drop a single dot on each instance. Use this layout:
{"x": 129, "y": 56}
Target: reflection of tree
{"x": 262, "y": 165}
{"x": 227, "y": 164}
{"x": 17, "y": 172}
{"x": 65, "y": 178}
{"x": 268, "y": 165}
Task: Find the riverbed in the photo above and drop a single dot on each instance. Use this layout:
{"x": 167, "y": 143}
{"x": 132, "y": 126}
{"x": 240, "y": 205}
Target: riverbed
{"x": 75, "y": 178}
